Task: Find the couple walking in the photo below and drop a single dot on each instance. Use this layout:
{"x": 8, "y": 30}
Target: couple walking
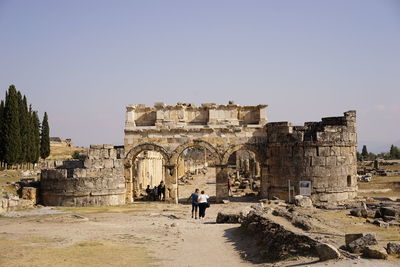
{"x": 199, "y": 201}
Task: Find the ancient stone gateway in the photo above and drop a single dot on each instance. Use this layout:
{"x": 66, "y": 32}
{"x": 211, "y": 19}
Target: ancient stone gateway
{"x": 320, "y": 156}
{"x": 323, "y": 153}
{"x": 169, "y": 130}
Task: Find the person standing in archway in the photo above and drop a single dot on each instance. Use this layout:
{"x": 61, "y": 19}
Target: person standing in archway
{"x": 161, "y": 191}
{"x": 203, "y": 204}
{"x": 194, "y": 196}
{"x": 229, "y": 184}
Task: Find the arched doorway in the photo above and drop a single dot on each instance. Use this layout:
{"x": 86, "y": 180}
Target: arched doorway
{"x": 197, "y": 165}
{"x": 246, "y": 171}
{"x": 146, "y": 165}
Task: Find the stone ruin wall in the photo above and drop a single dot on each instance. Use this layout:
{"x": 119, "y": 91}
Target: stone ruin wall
{"x": 95, "y": 180}
{"x": 321, "y": 152}
{"x": 187, "y": 114}
{"x": 222, "y": 129}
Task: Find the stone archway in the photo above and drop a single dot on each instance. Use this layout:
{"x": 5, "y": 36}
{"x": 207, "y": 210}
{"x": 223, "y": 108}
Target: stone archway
{"x": 260, "y": 154}
{"x": 195, "y": 143}
{"x": 129, "y": 166}
{"x": 220, "y": 179}
{"x": 172, "y": 129}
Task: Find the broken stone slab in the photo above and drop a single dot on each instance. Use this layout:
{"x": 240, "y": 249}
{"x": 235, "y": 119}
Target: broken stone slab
{"x": 302, "y": 223}
{"x": 393, "y": 223}
{"x": 375, "y": 252}
{"x": 228, "y": 218}
{"x": 389, "y": 211}
{"x": 393, "y": 248}
{"x": 359, "y": 212}
{"x": 303, "y": 201}
{"x": 387, "y": 218}
{"x": 327, "y": 252}
{"x": 355, "y": 243}
{"x": 381, "y": 223}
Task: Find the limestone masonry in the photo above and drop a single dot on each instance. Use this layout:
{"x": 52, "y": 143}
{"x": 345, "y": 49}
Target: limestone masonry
{"x": 323, "y": 154}
{"x": 96, "y": 180}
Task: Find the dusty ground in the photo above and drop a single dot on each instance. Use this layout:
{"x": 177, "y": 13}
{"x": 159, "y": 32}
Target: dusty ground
{"x": 159, "y": 234}
{"x": 140, "y": 234}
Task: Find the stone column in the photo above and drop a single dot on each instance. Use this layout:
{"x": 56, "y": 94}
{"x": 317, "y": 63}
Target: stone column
{"x": 247, "y": 165}
{"x": 264, "y": 184}
{"x": 171, "y": 183}
{"x": 258, "y": 169}
{"x": 129, "y": 184}
{"x": 222, "y": 183}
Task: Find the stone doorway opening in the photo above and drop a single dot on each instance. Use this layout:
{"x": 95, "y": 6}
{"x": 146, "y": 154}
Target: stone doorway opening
{"x": 149, "y": 176}
{"x": 196, "y": 168}
{"x": 244, "y": 175}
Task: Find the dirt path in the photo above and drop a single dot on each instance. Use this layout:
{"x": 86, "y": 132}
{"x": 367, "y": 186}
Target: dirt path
{"x": 141, "y": 234}
{"x": 160, "y": 233}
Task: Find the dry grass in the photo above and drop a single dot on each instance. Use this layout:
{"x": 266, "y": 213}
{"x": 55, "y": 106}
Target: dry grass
{"x": 11, "y": 176}
{"x": 62, "y": 153}
{"x": 379, "y": 183}
{"x": 342, "y": 221}
{"x": 42, "y": 252}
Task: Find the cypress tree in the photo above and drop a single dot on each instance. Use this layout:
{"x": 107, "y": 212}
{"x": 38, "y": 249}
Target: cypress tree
{"x": 35, "y": 138}
{"x": 11, "y": 134}
{"x": 24, "y": 127}
{"x": 364, "y": 152}
{"x": 45, "y": 138}
{"x": 30, "y": 137}
{"x": 1, "y": 130}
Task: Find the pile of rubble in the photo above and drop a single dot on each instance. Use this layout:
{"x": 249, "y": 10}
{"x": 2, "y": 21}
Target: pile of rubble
{"x": 277, "y": 240}
{"x": 11, "y": 203}
{"x": 383, "y": 215}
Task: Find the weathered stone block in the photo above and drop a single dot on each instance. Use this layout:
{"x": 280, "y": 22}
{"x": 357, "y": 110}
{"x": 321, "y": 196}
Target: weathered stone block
{"x": 327, "y": 252}
{"x": 331, "y": 161}
{"x": 375, "y": 252}
{"x": 108, "y": 163}
{"x": 356, "y": 243}
{"x": 30, "y": 193}
{"x": 393, "y": 248}
{"x": 324, "y": 151}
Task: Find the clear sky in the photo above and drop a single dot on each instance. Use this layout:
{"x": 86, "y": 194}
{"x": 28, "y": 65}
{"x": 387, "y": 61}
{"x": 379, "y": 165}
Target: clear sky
{"x": 84, "y": 61}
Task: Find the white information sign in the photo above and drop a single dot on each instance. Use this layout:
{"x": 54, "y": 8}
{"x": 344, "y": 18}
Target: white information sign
{"x": 305, "y": 188}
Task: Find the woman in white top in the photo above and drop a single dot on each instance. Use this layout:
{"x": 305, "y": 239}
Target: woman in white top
{"x": 202, "y": 202}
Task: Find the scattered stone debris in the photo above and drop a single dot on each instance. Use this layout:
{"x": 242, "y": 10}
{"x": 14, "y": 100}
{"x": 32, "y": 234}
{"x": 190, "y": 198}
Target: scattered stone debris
{"x": 382, "y": 215}
{"x": 276, "y": 241}
{"x": 327, "y": 252}
{"x": 375, "y": 252}
{"x": 228, "y": 218}
{"x": 393, "y": 248}
{"x": 303, "y": 201}
{"x": 299, "y": 220}
{"x": 356, "y": 243}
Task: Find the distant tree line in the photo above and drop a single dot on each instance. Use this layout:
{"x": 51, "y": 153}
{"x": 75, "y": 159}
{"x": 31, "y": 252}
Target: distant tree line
{"x": 394, "y": 153}
{"x": 23, "y": 139}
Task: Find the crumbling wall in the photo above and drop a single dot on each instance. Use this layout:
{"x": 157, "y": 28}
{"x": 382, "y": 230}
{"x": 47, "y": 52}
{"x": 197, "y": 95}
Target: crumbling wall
{"x": 321, "y": 152}
{"x": 96, "y": 180}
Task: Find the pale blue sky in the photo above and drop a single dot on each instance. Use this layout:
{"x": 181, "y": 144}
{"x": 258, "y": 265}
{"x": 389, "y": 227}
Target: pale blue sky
{"x": 84, "y": 61}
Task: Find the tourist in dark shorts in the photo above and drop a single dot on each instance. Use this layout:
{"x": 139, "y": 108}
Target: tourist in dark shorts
{"x": 195, "y": 205}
